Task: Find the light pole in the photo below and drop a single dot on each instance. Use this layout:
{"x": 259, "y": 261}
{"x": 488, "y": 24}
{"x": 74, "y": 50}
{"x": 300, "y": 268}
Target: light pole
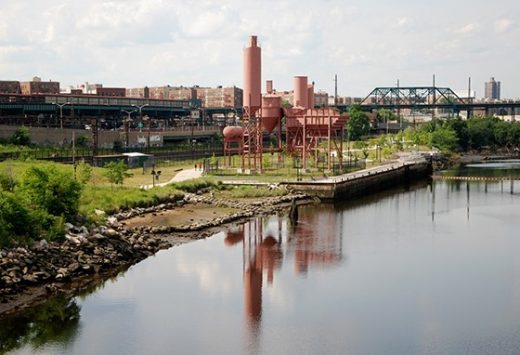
{"x": 61, "y": 111}
{"x": 140, "y": 108}
{"x": 127, "y": 126}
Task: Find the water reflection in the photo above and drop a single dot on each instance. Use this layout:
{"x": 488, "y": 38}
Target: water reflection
{"x": 266, "y": 242}
{"x": 56, "y": 321}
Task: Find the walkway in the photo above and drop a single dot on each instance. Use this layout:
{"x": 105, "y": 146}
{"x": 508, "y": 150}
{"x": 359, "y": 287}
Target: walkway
{"x": 183, "y": 175}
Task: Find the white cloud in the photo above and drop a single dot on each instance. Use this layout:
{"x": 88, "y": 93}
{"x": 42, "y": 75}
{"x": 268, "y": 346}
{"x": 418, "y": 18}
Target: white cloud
{"x": 503, "y": 25}
{"x": 469, "y": 28}
{"x": 136, "y": 43}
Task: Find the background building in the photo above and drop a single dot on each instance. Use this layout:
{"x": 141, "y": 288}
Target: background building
{"x": 10, "y": 87}
{"x": 492, "y": 90}
{"x": 219, "y": 97}
{"x": 37, "y": 86}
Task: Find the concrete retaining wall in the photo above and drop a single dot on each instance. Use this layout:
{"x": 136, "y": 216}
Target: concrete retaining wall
{"x": 363, "y": 185}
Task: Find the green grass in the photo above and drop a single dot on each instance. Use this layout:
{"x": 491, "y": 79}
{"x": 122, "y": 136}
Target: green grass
{"x": 114, "y": 199}
{"x": 247, "y": 191}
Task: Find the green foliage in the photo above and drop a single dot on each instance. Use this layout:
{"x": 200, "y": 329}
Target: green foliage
{"x": 118, "y": 146}
{"x": 445, "y": 139}
{"x": 15, "y": 219}
{"x": 195, "y": 185}
{"x": 54, "y": 191}
{"x": 116, "y": 172}
{"x": 21, "y": 137}
{"x": 385, "y": 115}
{"x": 252, "y": 192}
{"x": 114, "y": 200}
{"x": 357, "y": 125}
{"x": 7, "y": 182}
{"x": 84, "y": 172}
{"x": 82, "y": 141}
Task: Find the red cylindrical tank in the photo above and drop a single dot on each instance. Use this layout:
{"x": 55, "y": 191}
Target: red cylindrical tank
{"x": 252, "y": 74}
{"x": 310, "y": 96}
{"x": 271, "y": 111}
{"x": 300, "y": 92}
{"x": 231, "y": 132}
{"x": 269, "y": 86}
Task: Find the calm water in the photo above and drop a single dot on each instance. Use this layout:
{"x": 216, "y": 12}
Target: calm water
{"x": 434, "y": 269}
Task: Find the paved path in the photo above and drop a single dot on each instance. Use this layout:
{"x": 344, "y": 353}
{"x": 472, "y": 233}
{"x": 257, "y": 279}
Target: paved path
{"x": 183, "y": 175}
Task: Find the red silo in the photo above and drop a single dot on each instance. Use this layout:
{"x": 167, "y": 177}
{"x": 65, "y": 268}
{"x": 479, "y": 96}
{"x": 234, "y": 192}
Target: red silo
{"x": 271, "y": 112}
{"x": 300, "y": 92}
{"x": 252, "y": 74}
{"x": 269, "y": 86}
{"x": 310, "y": 96}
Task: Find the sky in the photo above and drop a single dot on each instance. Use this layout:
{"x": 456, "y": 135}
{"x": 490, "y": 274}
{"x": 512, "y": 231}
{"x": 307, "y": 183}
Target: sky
{"x": 130, "y": 43}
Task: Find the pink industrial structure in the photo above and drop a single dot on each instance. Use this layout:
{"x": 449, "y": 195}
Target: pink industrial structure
{"x": 305, "y": 126}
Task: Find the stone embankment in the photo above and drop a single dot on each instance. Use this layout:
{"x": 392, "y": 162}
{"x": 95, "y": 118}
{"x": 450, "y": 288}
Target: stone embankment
{"x": 105, "y": 248}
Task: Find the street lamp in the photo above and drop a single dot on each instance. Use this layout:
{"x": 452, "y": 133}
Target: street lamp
{"x": 127, "y": 125}
{"x": 140, "y": 108}
{"x": 61, "y": 111}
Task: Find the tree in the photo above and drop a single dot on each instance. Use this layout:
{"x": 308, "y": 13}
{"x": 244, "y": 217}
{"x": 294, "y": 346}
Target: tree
{"x": 117, "y": 172}
{"x": 481, "y": 132}
{"x": 461, "y": 130}
{"x": 444, "y": 138}
{"x": 357, "y": 125}
{"x": 21, "y": 137}
{"x": 385, "y": 115}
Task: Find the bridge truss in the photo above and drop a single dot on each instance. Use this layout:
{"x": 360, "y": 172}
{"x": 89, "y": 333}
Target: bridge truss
{"x": 413, "y": 96}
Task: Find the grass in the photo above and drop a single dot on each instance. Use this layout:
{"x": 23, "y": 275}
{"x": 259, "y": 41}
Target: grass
{"x": 246, "y": 191}
{"x": 114, "y": 199}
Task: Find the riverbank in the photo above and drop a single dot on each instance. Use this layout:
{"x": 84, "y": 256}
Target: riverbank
{"x": 30, "y": 275}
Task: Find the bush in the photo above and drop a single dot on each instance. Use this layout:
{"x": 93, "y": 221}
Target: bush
{"x": 15, "y": 219}
{"x": 84, "y": 172}
{"x": 21, "y": 137}
{"x": 53, "y": 191}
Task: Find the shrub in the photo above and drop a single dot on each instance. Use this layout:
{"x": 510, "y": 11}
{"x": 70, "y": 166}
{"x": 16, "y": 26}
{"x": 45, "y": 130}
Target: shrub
{"x": 53, "y": 191}
{"x": 21, "y": 137}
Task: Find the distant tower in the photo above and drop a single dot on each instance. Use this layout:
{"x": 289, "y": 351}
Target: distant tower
{"x": 492, "y": 90}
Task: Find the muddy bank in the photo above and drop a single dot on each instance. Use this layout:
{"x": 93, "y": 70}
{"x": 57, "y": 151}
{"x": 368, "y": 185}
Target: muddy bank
{"x": 32, "y": 274}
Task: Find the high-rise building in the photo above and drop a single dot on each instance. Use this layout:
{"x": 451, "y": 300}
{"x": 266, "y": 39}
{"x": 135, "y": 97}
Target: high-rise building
{"x": 492, "y": 90}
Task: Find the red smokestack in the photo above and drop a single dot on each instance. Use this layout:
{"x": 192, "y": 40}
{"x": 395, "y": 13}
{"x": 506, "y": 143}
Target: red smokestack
{"x": 252, "y": 74}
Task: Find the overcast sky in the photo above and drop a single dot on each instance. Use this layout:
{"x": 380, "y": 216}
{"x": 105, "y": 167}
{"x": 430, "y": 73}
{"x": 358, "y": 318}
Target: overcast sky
{"x": 133, "y": 43}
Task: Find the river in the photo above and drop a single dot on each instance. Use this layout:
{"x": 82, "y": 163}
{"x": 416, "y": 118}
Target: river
{"x": 428, "y": 269}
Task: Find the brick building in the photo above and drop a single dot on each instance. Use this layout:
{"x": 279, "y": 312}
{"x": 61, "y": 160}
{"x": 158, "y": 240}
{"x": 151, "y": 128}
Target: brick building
{"x": 10, "y": 87}
{"x": 37, "y": 86}
{"x": 112, "y": 92}
{"x": 219, "y": 97}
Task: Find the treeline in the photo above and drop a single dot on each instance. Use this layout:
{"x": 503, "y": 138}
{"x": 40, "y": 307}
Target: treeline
{"x": 37, "y": 205}
{"x": 475, "y": 133}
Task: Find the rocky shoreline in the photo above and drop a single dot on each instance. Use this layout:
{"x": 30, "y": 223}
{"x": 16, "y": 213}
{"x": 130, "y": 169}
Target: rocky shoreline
{"x": 30, "y": 274}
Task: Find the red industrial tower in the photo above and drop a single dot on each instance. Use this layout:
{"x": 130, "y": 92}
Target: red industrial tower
{"x": 251, "y": 120}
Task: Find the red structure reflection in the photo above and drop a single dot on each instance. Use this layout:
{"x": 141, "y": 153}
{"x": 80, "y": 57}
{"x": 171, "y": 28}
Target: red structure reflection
{"x": 267, "y": 242}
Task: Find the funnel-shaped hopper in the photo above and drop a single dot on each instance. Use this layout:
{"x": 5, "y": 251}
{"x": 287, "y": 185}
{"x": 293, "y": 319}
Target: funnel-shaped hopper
{"x": 271, "y": 112}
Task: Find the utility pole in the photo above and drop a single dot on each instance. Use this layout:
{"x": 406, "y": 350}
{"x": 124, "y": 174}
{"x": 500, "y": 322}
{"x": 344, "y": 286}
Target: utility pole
{"x": 127, "y": 126}
{"x": 336, "y": 90}
{"x": 434, "y": 98}
{"x": 468, "y": 113}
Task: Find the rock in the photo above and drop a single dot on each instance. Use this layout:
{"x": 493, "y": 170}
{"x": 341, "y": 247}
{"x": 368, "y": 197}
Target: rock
{"x": 111, "y": 232}
{"x": 41, "y": 245}
{"x": 112, "y": 222}
{"x": 69, "y": 226}
{"x": 73, "y": 267}
{"x": 99, "y": 212}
